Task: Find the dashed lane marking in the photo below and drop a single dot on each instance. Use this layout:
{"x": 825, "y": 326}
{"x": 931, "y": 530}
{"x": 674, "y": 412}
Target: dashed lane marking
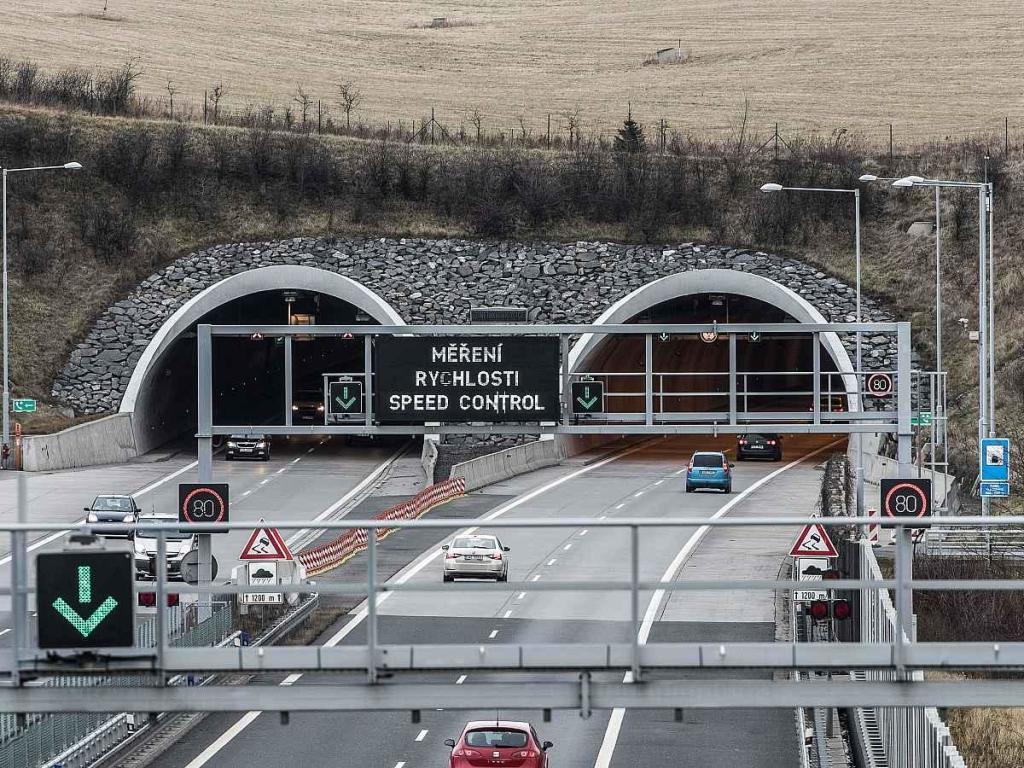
{"x": 507, "y": 614}
{"x": 567, "y": 547}
{"x": 422, "y": 735}
{"x": 461, "y": 680}
{"x": 552, "y": 561}
{"x": 494, "y": 634}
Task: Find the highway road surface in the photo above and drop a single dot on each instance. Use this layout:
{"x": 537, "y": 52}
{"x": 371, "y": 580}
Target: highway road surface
{"x": 645, "y": 480}
{"x": 304, "y": 479}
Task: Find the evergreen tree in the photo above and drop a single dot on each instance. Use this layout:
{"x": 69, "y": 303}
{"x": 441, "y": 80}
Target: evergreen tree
{"x": 630, "y": 137}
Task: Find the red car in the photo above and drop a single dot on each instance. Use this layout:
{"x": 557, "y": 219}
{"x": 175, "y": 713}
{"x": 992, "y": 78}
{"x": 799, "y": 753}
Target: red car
{"x": 498, "y": 743}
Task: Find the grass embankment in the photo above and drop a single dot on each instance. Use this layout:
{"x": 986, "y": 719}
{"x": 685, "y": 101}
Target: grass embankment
{"x": 152, "y": 191}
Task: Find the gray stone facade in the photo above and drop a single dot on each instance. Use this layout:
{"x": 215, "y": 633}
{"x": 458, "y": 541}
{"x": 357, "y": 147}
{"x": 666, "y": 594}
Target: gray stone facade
{"x": 437, "y": 281}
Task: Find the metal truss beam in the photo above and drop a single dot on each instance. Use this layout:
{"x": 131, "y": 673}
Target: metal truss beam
{"x": 658, "y": 694}
{"x": 631, "y": 329}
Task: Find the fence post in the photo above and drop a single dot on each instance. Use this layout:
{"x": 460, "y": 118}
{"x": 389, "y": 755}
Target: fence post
{"x": 549, "y": 130}
{"x": 890, "y": 145}
{"x": 634, "y": 570}
{"x": 371, "y": 604}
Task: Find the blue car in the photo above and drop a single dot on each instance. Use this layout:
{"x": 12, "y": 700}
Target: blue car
{"x": 709, "y": 469}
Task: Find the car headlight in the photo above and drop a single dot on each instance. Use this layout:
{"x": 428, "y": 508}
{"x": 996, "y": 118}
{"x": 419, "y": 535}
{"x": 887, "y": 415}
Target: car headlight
{"x": 261, "y": 444}
{"x": 91, "y": 518}
{"x": 232, "y": 444}
{"x": 320, "y": 409}
{"x": 295, "y": 407}
{"x": 128, "y": 519}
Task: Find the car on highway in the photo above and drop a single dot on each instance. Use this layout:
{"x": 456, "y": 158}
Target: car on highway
{"x": 111, "y": 508}
{"x": 766, "y": 445}
{"x": 709, "y": 469}
{"x": 247, "y": 447}
{"x": 308, "y": 405}
{"x": 476, "y": 555}
{"x": 498, "y": 743}
{"x": 178, "y": 543}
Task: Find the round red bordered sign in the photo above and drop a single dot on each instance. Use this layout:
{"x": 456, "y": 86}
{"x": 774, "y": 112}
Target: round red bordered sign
{"x": 905, "y": 500}
{"x": 204, "y": 505}
{"x": 879, "y": 385}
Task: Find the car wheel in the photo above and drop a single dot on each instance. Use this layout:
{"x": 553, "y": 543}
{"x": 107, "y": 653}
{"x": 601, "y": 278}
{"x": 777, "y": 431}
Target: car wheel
{"x": 728, "y": 488}
{"x": 447, "y": 578}
{"x": 266, "y": 457}
{"x": 227, "y": 457}
{"x": 778, "y": 455}
{"x": 689, "y": 489}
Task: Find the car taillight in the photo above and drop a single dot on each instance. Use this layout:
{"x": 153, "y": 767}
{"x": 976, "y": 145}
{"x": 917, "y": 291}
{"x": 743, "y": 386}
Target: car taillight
{"x": 743, "y": 442}
{"x": 496, "y": 556}
{"x": 771, "y": 442}
{"x": 450, "y": 556}
{"x": 725, "y": 468}
{"x": 689, "y": 467}
{"x": 465, "y": 753}
{"x": 525, "y": 753}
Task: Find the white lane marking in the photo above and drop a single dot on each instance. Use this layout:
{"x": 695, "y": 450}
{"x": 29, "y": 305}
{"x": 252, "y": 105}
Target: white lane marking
{"x": 265, "y": 480}
{"x": 370, "y": 478}
{"x": 54, "y": 536}
{"x": 536, "y": 578}
{"x": 246, "y": 493}
{"x": 400, "y": 764}
{"x": 681, "y": 472}
{"x": 311, "y": 450}
{"x": 296, "y": 460}
{"x": 611, "y": 734}
{"x": 4, "y": 631}
{"x": 618, "y": 506}
{"x": 422, "y": 735}
{"x": 494, "y": 634}
{"x": 659, "y": 482}
{"x": 638, "y": 494}
{"x": 603, "y": 517}
{"x": 409, "y": 572}
{"x": 507, "y": 614}
{"x": 461, "y": 680}
{"x": 552, "y": 561}
{"x": 583, "y": 532}
{"x": 567, "y": 547}
{"x": 282, "y": 469}
{"x": 520, "y": 596}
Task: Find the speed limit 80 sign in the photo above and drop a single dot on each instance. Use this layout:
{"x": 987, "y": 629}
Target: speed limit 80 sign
{"x": 203, "y": 503}
{"x": 911, "y": 497}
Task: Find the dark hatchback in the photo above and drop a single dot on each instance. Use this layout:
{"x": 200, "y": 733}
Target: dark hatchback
{"x": 759, "y": 446}
{"x": 113, "y": 509}
{"x": 247, "y": 447}
{"x": 308, "y": 406}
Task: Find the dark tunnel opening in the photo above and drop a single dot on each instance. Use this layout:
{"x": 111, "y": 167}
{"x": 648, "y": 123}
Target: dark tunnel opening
{"x": 691, "y": 373}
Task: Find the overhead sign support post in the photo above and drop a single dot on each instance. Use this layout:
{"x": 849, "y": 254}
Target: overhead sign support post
{"x": 995, "y": 467}
{"x": 204, "y": 440}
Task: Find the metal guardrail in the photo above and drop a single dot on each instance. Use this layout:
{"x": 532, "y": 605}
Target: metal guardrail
{"x": 972, "y": 542}
{"x": 911, "y": 737}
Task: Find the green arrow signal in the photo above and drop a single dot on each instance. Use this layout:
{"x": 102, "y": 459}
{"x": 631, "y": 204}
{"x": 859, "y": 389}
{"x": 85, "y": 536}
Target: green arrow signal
{"x": 87, "y": 625}
{"x": 587, "y": 403}
{"x": 345, "y": 401}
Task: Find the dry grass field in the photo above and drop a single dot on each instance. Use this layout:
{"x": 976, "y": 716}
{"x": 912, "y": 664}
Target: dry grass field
{"x": 933, "y": 68}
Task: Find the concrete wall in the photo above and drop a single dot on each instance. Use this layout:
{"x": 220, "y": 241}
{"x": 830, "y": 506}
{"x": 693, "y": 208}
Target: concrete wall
{"x": 110, "y": 440}
{"x": 507, "y": 463}
{"x": 877, "y": 467}
{"x": 428, "y": 458}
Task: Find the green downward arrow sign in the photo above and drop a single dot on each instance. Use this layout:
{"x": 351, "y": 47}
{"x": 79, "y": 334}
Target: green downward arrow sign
{"x": 87, "y": 625}
{"x": 587, "y": 401}
{"x": 345, "y": 401}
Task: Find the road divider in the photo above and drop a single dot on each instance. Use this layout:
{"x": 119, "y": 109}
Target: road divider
{"x": 325, "y": 557}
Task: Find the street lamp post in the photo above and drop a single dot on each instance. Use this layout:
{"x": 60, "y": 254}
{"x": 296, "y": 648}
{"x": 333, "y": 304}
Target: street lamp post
{"x": 3, "y": 216}
{"x": 939, "y": 422}
{"x": 986, "y": 328}
{"x": 771, "y": 187}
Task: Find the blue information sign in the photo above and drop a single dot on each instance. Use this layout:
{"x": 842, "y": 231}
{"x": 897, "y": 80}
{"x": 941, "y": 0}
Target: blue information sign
{"x": 995, "y": 459}
{"x": 994, "y": 488}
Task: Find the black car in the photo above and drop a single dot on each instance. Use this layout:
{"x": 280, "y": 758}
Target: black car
{"x": 247, "y": 447}
{"x": 113, "y": 509}
{"x": 759, "y": 446}
{"x": 308, "y": 406}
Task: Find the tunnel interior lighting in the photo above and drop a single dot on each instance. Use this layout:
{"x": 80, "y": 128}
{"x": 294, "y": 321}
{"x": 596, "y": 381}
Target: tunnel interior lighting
{"x": 868, "y": 177}
{"x": 771, "y": 187}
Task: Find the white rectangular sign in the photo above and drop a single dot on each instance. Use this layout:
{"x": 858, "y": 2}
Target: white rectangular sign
{"x": 810, "y": 569}
{"x": 262, "y": 598}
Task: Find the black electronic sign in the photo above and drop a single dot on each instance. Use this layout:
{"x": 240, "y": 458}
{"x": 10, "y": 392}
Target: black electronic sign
{"x": 466, "y": 378}
{"x": 345, "y": 397}
{"x": 203, "y": 503}
{"x": 85, "y": 599}
{"x": 587, "y": 397}
{"x": 908, "y": 497}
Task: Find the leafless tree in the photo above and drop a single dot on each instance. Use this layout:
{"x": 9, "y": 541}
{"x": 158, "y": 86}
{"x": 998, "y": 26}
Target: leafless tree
{"x": 350, "y": 99}
{"x": 573, "y": 117}
{"x": 171, "y": 90}
{"x": 216, "y": 94}
{"x": 305, "y": 103}
{"x": 477, "y": 121}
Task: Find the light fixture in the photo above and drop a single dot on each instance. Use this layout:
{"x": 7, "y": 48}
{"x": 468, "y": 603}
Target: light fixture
{"x": 72, "y": 166}
{"x": 771, "y": 187}
{"x": 868, "y": 177}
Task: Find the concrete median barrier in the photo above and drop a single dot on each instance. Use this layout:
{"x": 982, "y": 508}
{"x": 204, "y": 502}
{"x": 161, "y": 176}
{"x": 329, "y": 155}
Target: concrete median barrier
{"x": 110, "y": 440}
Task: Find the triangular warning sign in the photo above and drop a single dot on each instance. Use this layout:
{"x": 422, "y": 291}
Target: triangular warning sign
{"x": 265, "y": 544}
{"x": 813, "y": 541}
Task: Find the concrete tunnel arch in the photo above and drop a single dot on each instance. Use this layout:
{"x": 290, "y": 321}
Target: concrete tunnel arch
{"x": 270, "y": 278}
{"x": 724, "y": 281}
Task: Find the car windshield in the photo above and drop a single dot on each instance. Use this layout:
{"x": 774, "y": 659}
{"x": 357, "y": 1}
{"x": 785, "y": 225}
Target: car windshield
{"x": 113, "y": 503}
{"x": 496, "y": 738}
{"x": 707, "y": 460}
{"x": 474, "y": 542}
{"x": 759, "y": 438}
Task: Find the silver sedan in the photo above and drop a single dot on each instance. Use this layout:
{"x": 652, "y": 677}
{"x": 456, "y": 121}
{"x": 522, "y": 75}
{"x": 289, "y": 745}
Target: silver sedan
{"x": 477, "y": 555}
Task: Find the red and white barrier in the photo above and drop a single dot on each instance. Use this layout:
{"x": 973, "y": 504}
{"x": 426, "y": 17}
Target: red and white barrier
{"x": 324, "y": 557}
{"x": 873, "y": 529}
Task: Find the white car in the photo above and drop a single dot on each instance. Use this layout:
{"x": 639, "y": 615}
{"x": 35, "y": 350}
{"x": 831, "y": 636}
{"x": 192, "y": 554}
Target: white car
{"x": 178, "y": 544}
{"x": 476, "y": 555}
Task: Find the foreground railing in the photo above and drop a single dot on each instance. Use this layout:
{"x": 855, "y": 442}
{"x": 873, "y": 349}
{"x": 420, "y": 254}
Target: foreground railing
{"x": 385, "y": 665}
